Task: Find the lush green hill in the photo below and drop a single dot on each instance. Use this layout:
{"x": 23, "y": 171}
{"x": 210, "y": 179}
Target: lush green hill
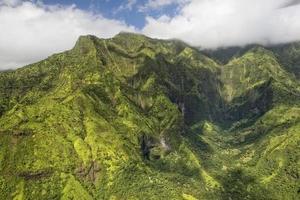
{"x": 137, "y": 118}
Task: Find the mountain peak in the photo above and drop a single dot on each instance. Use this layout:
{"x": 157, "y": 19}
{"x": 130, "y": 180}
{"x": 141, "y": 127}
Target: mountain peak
{"x": 85, "y": 42}
{"x": 130, "y": 34}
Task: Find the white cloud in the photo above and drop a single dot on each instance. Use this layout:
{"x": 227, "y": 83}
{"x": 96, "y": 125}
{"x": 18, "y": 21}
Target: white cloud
{"x": 31, "y": 32}
{"x": 215, "y": 23}
{"x": 130, "y": 4}
{"x": 127, "y": 6}
{"x": 158, "y": 4}
{"x": 10, "y": 2}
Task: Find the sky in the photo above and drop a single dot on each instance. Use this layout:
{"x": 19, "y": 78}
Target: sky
{"x": 32, "y": 30}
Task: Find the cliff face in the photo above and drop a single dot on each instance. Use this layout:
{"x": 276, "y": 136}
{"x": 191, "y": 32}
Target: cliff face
{"x": 137, "y": 118}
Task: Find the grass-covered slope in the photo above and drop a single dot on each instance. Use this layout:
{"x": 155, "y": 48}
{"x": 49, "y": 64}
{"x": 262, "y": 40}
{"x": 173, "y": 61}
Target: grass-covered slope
{"x": 137, "y": 118}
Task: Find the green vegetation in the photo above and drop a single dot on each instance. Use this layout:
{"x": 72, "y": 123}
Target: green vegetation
{"x": 138, "y": 118}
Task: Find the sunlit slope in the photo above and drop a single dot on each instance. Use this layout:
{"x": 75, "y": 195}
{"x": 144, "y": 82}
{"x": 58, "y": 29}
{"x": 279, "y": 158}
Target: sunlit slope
{"x": 137, "y": 118}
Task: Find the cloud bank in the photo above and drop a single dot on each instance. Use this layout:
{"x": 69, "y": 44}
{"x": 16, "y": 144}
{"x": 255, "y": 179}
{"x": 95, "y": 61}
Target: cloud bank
{"x": 220, "y": 23}
{"x": 32, "y": 31}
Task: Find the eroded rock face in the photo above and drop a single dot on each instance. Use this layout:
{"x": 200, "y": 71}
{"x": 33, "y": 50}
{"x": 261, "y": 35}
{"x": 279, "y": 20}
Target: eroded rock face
{"x": 153, "y": 148}
{"x": 147, "y": 144}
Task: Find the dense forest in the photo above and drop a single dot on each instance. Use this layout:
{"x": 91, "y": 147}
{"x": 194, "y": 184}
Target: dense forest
{"x": 138, "y": 118}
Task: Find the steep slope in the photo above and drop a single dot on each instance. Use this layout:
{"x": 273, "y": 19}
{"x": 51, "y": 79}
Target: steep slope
{"x": 106, "y": 128}
{"x": 289, "y": 56}
{"x": 256, "y": 81}
{"x": 263, "y": 115}
{"x": 137, "y": 118}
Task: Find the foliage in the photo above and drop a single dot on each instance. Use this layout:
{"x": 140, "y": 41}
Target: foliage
{"x": 138, "y": 118}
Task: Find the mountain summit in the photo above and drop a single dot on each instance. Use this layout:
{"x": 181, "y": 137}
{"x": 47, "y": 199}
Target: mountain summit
{"x": 133, "y": 117}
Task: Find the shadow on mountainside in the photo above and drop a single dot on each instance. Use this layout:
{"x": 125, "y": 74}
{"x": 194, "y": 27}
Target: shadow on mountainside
{"x": 238, "y": 184}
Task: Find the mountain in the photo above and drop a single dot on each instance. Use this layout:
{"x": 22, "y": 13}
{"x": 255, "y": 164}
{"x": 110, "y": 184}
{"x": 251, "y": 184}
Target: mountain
{"x": 288, "y": 55}
{"x": 133, "y": 117}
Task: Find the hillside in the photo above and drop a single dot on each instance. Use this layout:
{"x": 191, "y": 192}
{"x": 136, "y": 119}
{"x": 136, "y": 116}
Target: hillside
{"x": 138, "y": 118}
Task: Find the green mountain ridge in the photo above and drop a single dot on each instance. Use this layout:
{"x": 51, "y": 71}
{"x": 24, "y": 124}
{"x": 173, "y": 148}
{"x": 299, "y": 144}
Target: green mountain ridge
{"x": 133, "y": 117}
{"x": 286, "y": 54}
